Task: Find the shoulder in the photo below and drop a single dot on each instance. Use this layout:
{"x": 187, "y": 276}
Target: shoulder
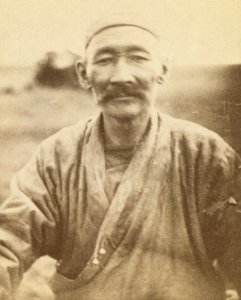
{"x": 66, "y": 142}
{"x": 198, "y": 139}
{"x": 70, "y": 134}
{"x": 188, "y": 129}
{"x": 183, "y": 129}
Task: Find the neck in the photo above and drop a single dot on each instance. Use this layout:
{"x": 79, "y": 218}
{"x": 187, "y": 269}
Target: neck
{"x": 125, "y": 132}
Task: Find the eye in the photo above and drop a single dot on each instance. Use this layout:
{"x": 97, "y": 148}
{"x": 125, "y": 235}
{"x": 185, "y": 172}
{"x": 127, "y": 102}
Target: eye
{"x": 104, "y": 61}
{"x": 138, "y": 58}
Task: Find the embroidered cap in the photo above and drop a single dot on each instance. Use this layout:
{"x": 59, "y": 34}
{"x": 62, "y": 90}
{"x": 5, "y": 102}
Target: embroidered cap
{"x": 116, "y": 20}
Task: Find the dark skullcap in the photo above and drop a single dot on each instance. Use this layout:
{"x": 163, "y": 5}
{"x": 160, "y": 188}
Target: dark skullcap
{"x": 116, "y": 20}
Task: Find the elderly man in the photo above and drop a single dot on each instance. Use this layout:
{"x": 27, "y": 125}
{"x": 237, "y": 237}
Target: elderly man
{"x": 126, "y": 202}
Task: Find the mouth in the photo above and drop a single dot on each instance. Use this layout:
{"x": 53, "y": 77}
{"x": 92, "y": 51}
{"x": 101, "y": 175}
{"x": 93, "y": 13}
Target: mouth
{"x": 125, "y": 98}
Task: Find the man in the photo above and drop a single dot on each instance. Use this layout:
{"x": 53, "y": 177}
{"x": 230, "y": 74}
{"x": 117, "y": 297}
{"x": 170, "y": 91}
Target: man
{"x": 127, "y": 202}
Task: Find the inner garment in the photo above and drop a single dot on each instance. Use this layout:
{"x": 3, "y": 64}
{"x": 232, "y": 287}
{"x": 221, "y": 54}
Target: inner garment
{"x": 117, "y": 160}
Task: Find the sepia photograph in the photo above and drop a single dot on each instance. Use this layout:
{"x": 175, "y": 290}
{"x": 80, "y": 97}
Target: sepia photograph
{"x": 120, "y": 150}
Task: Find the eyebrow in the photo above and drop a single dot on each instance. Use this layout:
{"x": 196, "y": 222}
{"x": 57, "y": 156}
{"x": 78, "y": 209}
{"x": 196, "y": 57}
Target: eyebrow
{"x": 111, "y": 50}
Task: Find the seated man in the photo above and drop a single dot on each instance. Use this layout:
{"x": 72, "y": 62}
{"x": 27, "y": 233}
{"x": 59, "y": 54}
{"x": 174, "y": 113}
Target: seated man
{"x": 126, "y": 202}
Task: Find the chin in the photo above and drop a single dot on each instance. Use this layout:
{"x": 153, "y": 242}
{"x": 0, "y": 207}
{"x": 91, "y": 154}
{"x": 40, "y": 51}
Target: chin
{"x": 124, "y": 111}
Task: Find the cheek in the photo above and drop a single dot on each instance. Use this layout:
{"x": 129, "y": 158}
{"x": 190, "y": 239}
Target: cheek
{"x": 146, "y": 77}
{"x": 98, "y": 81}
{"x": 96, "y": 77}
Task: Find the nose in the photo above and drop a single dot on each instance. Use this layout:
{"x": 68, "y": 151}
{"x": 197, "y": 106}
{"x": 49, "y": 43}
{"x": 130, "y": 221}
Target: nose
{"x": 121, "y": 72}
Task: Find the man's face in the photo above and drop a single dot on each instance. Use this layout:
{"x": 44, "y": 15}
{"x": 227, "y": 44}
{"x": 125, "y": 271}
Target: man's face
{"x": 122, "y": 67}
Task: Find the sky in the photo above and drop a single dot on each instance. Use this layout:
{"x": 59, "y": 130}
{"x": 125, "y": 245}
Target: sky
{"x": 197, "y": 31}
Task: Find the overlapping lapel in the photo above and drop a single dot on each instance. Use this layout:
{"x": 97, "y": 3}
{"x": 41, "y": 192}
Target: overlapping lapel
{"x": 130, "y": 203}
{"x": 94, "y": 164}
{"x": 133, "y": 184}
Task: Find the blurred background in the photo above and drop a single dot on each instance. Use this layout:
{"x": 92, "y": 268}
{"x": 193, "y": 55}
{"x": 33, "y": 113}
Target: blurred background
{"x": 39, "y": 91}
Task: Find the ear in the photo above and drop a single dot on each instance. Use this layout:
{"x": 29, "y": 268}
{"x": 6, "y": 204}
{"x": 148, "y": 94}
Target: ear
{"x": 80, "y": 67}
{"x": 163, "y": 72}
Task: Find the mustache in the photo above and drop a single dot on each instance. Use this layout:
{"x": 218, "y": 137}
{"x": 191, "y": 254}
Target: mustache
{"x": 121, "y": 90}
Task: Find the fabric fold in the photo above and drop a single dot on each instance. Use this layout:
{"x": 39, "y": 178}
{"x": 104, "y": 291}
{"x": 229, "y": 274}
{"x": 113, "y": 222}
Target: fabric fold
{"x": 147, "y": 242}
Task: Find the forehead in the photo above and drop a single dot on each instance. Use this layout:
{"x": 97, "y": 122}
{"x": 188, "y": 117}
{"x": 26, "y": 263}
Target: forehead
{"x": 123, "y": 37}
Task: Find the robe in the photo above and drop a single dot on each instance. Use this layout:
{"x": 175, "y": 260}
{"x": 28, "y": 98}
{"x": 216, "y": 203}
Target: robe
{"x": 149, "y": 242}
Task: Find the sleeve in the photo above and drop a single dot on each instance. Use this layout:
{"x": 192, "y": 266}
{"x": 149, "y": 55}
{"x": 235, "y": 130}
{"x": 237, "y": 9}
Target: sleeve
{"x": 29, "y": 220}
{"x": 229, "y": 239}
{"x": 221, "y": 222}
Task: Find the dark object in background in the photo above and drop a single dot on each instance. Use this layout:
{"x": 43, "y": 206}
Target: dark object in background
{"x": 233, "y": 104}
{"x": 57, "y": 70}
{"x": 9, "y": 90}
{"x": 209, "y": 95}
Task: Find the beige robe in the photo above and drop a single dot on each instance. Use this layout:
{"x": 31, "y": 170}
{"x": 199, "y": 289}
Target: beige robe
{"x": 148, "y": 243}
